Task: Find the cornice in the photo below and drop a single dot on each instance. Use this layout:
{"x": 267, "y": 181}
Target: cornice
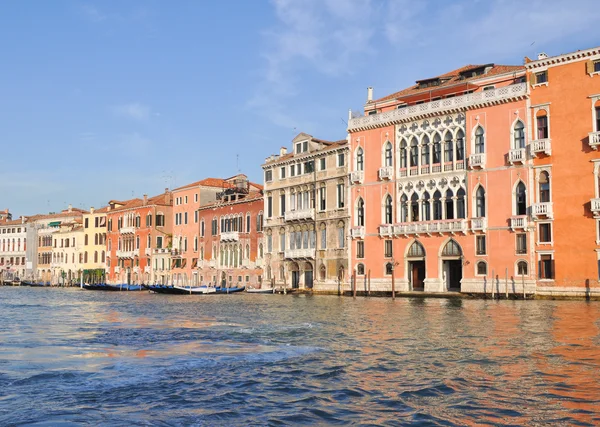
{"x": 563, "y": 59}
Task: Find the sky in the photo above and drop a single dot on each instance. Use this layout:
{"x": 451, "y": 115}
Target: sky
{"x": 104, "y": 100}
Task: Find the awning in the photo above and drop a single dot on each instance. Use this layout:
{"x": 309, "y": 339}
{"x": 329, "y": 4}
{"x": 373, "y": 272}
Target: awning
{"x": 54, "y": 223}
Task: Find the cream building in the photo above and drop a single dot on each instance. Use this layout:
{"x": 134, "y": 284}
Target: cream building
{"x": 94, "y": 245}
{"x": 306, "y": 215}
{"x": 13, "y": 248}
{"x": 68, "y": 253}
{"x": 161, "y": 266}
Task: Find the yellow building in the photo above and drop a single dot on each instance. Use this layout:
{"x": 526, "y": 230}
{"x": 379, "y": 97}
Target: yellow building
{"x": 94, "y": 245}
{"x": 67, "y": 253}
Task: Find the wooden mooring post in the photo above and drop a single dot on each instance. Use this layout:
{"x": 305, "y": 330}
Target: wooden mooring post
{"x": 393, "y": 285}
{"x": 354, "y": 284}
{"x": 369, "y": 283}
{"x": 506, "y": 282}
{"x": 493, "y": 282}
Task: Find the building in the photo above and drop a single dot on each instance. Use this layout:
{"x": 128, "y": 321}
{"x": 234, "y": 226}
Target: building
{"x": 67, "y": 253}
{"x": 5, "y": 215}
{"x": 564, "y": 127}
{"x": 134, "y": 228}
{"x": 439, "y": 176}
{"x": 186, "y": 223}
{"x": 230, "y": 249}
{"x": 13, "y": 247}
{"x": 94, "y": 245}
{"x": 306, "y": 215}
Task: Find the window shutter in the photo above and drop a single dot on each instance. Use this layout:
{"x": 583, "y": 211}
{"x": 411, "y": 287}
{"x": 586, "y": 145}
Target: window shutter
{"x": 589, "y": 67}
{"x": 540, "y": 275}
{"x": 533, "y": 78}
{"x": 551, "y": 269}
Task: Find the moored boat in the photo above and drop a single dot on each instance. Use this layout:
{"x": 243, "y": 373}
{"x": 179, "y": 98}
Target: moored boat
{"x": 198, "y": 290}
{"x": 260, "y": 290}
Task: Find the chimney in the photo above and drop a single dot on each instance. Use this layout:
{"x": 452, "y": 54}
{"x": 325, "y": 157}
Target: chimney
{"x": 542, "y": 55}
{"x": 145, "y": 199}
{"x": 92, "y": 210}
{"x": 369, "y": 94}
{"x": 70, "y": 208}
{"x": 22, "y": 220}
{"x": 349, "y": 114}
{"x": 282, "y": 151}
{"x": 167, "y": 196}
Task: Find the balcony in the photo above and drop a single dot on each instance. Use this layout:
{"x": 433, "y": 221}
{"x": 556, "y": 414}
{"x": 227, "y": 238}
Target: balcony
{"x": 159, "y": 251}
{"x": 516, "y": 155}
{"x": 126, "y": 254}
{"x": 117, "y": 269}
{"x": 478, "y": 224}
{"x": 543, "y": 209}
{"x": 230, "y": 236}
{"x": 477, "y": 160}
{"x": 386, "y": 231}
{"x": 300, "y": 215}
{"x": 540, "y": 146}
{"x": 357, "y": 232}
{"x": 259, "y": 262}
{"x": 518, "y": 222}
{"x": 136, "y": 269}
{"x": 147, "y": 269}
{"x": 176, "y": 253}
{"x": 127, "y": 230}
{"x": 594, "y": 140}
{"x": 212, "y": 263}
{"x": 246, "y": 263}
{"x": 385, "y": 172}
{"x": 595, "y": 207}
{"x": 357, "y": 177}
{"x": 300, "y": 253}
{"x": 451, "y": 226}
{"x": 148, "y": 251}
{"x": 428, "y": 109}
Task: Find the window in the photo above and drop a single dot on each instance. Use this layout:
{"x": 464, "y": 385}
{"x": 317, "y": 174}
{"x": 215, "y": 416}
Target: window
{"x": 437, "y": 149}
{"x": 520, "y": 199}
{"x": 247, "y": 223}
{"x": 269, "y": 243}
{"x": 305, "y": 146}
{"x": 341, "y": 236}
{"x": 269, "y": 206}
{"x": 196, "y": 198}
{"x": 388, "y": 210}
{"x": 340, "y": 160}
{"x": 360, "y": 269}
{"x": 546, "y": 267}
{"x": 323, "y": 237}
{"x": 86, "y": 222}
{"x": 480, "y": 245}
{"x": 545, "y": 232}
{"x": 388, "y": 268}
{"x": 541, "y": 77}
{"x": 460, "y": 145}
{"x": 149, "y": 220}
{"x": 414, "y": 207}
{"x": 598, "y": 115}
{"x": 425, "y": 208}
{"x": 437, "y": 206}
{"x": 282, "y": 242}
{"x": 360, "y": 249}
{"x": 597, "y": 67}
{"x": 309, "y": 167}
{"x": 196, "y": 217}
{"x": 522, "y": 269}
{"x": 480, "y": 203}
{"x": 186, "y": 199}
{"x": 322, "y": 164}
{"x": 360, "y": 158}
{"x": 282, "y": 204}
{"x": 425, "y": 151}
{"x": 416, "y": 250}
{"x": 448, "y": 148}
{"x": 268, "y": 175}
{"x": 481, "y": 268}
{"x": 298, "y": 148}
{"x": 449, "y": 204}
{"x": 387, "y": 154}
{"x": 322, "y": 199}
{"x": 292, "y": 170}
{"x": 521, "y": 240}
{"x": 403, "y": 154}
{"x": 387, "y": 248}
{"x": 542, "y": 127}
{"x": 282, "y": 173}
{"x": 185, "y": 217}
{"x": 460, "y": 204}
{"x": 519, "y": 135}
{"x": 479, "y": 140}
{"x": 360, "y": 212}
{"x": 160, "y": 220}
{"x": 414, "y": 152}
{"x": 259, "y": 222}
{"x": 544, "y": 183}
{"x": 340, "y": 196}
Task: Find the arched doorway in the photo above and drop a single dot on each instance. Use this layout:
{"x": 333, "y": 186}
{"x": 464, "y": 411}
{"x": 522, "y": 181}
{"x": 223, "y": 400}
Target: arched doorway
{"x": 295, "y": 270}
{"x": 452, "y": 265}
{"x": 308, "y": 275}
{"x": 415, "y": 258}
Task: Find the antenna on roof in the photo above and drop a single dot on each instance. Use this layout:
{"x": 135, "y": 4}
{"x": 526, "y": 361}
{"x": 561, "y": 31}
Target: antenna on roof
{"x": 345, "y": 122}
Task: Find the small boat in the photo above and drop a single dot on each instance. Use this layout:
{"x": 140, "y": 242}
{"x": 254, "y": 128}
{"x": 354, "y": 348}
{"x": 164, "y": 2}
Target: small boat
{"x": 198, "y": 290}
{"x": 113, "y": 288}
{"x": 260, "y": 290}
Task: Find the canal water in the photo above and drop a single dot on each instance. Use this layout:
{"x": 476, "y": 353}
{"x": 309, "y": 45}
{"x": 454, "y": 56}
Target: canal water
{"x": 72, "y": 357}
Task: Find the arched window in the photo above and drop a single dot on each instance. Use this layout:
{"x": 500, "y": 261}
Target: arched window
{"x": 360, "y": 269}
{"x": 426, "y": 207}
{"x": 388, "y": 210}
{"x": 414, "y": 207}
{"x": 388, "y": 154}
{"x": 360, "y": 212}
{"x": 85, "y": 257}
{"x": 520, "y": 199}
{"x": 452, "y": 249}
{"x": 103, "y": 256}
{"x": 388, "y": 268}
{"x": 403, "y": 154}
{"x": 449, "y": 205}
{"x": 460, "y": 204}
{"x": 437, "y": 205}
{"x": 460, "y": 145}
{"x": 414, "y": 152}
{"x": 425, "y": 151}
{"x": 479, "y": 140}
{"x": 416, "y": 250}
{"x": 522, "y": 269}
{"x": 481, "y": 268}
{"x": 95, "y": 256}
{"x": 519, "y": 135}
{"x": 404, "y": 208}
{"x": 85, "y": 240}
{"x": 96, "y": 239}
{"x": 480, "y": 202}
{"x": 360, "y": 159}
{"x": 544, "y": 187}
{"x": 322, "y": 272}
{"x": 437, "y": 149}
{"x": 448, "y": 147}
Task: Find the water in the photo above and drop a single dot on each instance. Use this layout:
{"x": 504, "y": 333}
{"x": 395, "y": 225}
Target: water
{"x": 72, "y": 357}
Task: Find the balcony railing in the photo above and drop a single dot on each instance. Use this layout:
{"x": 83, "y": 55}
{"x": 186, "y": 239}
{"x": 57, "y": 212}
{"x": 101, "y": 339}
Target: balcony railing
{"x": 386, "y": 231}
{"x": 159, "y": 251}
{"x": 516, "y": 91}
{"x": 259, "y": 262}
{"x": 357, "y": 232}
{"x": 147, "y": 269}
{"x": 516, "y": 155}
{"x": 430, "y": 227}
{"x": 127, "y": 230}
{"x": 357, "y": 176}
{"x": 148, "y": 251}
{"x": 478, "y": 224}
{"x": 300, "y": 253}
{"x": 126, "y": 254}
{"x": 212, "y": 263}
{"x": 386, "y": 172}
{"x": 230, "y": 236}
{"x": 595, "y": 206}
{"x": 136, "y": 269}
{"x": 542, "y": 209}
{"x": 246, "y": 263}
{"x": 518, "y": 222}
{"x": 117, "y": 269}
{"x": 540, "y": 146}
{"x": 300, "y": 215}
{"x": 477, "y": 160}
{"x": 594, "y": 140}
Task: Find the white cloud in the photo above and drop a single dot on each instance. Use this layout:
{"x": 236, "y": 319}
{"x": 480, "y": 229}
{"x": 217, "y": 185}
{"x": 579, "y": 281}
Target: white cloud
{"x": 134, "y": 110}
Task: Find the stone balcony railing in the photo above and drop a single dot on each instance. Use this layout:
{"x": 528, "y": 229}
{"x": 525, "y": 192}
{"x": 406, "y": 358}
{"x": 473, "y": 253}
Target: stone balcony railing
{"x": 117, "y": 269}
{"x": 147, "y": 269}
{"x": 212, "y": 263}
{"x": 259, "y": 262}
{"x": 300, "y": 253}
{"x": 230, "y": 236}
{"x": 542, "y": 209}
{"x": 386, "y": 172}
{"x": 246, "y": 263}
{"x": 159, "y": 251}
{"x": 126, "y": 254}
{"x": 357, "y": 232}
{"x": 136, "y": 269}
{"x": 148, "y": 251}
{"x": 477, "y": 160}
{"x": 594, "y": 140}
{"x": 595, "y": 206}
{"x": 516, "y": 155}
{"x": 300, "y": 215}
{"x": 357, "y": 177}
{"x": 458, "y": 103}
{"x": 478, "y": 224}
{"x": 127, "y": 230}
{"x": 540, "y": 146}
{"x": 451, "y": 226}
{"x": 386, "y": 230}
{"x": 518, "y": 222}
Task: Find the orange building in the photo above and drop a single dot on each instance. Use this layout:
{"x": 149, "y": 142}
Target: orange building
{"x": 439, "y": 176}
{"x": 134, "y": 228}
{"x": 564, "y": 127}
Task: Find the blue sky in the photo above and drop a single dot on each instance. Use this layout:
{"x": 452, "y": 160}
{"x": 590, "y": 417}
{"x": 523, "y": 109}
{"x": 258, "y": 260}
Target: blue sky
{"x": 108, "y": 99}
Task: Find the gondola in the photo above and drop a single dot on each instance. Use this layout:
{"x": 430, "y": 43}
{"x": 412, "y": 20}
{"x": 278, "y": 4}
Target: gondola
{"x": 113, "y": 288}
{"x": 260, "y": 290}
{"x": 198, "y": 290}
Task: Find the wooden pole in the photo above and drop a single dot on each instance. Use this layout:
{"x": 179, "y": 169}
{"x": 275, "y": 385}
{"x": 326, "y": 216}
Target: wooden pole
{"x": 506, "y": 283}
{"x": 523, "y": 282}
{"x": 354, "y": 284}
{"x": 393, "y": 285}
{"x": 369, "y": 283}
{"x": 493, "y": 282}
